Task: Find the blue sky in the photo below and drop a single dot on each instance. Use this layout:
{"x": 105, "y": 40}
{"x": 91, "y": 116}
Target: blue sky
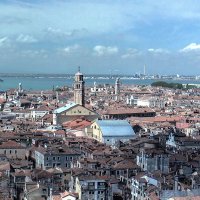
{"x": 104, "y": 36}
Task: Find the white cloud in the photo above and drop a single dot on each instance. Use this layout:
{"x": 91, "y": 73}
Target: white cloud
{"x": 100, "y": 50}
{"x": 71, "y": 49}
{"x": 70, "y": 16}
{"x": 159, "y": 50}
{"x": 94, "y": 16}
{"x": 4, "y": 41}
{"x": 34, "y": 53}
{"x": 59, "y": 32}
{"x": 26, "y": 39}
{"x": 131, "y": 53}
{"x": 191, "y": 47}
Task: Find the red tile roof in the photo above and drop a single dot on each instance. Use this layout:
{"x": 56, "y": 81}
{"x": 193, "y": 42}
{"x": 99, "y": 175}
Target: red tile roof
{"x": 128, "y": 110}
{"x": 77, "y": 124}
{"x": 11, "y": 145}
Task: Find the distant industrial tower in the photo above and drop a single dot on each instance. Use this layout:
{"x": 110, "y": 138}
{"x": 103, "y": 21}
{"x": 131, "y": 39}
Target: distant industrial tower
{"x": 20, "y": 89}
{"x": 79, "y": 88}
{"x": 117, "y": 88}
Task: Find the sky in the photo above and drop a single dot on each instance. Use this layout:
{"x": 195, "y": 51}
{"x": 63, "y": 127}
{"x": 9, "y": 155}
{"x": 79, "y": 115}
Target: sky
{"x": 100, "y": 36}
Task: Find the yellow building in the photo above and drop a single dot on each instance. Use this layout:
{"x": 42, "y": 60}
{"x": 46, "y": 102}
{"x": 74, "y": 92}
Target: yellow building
{"x": 72, "y": 111}
{"x": 95, "y": 131}
{"x": 111, "y": 132}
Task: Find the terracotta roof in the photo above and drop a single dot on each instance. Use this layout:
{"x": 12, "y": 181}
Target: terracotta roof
{"x": 128, "y": 110}
{"x": 11, "y": 145}
{"x": 43, "y": 108}
{"x": 2, "y": 100}
{"x": 77, "y": 124}
{"x": 126, "y": 164}
{"x": 182, "y": 125}
{"x": 66, "y": 193}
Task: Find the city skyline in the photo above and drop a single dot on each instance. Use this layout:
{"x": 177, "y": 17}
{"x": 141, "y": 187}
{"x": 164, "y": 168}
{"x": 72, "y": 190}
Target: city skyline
{"x": 101, "y": 37}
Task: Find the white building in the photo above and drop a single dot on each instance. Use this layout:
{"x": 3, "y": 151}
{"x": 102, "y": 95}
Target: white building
{"x": 140, "y": 184}
{"x": 150, "y": 102}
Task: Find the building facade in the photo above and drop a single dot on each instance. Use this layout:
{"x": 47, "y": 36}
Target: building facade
{"x": 50, "y": 158}
{"x": 72, "y": 111}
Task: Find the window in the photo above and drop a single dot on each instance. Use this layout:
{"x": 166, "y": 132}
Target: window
{"x": 15, "y": 151}
{"x": 66, "y": 158}
{"x": 58, "y": 158}
{"x": 10, "y": 151}
{"x": 54, "y": 158}
{"x": 44, "y": 190}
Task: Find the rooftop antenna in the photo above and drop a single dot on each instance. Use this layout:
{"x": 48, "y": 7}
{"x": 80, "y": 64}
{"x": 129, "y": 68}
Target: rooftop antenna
{"x": 79, "y": 69}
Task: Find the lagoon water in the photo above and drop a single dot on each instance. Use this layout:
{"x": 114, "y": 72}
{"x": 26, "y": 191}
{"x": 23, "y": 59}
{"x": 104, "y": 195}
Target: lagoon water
{"x": 47, "y": 83}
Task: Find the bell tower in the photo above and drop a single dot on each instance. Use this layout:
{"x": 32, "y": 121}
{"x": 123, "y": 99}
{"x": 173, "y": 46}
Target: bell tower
{"x": 117, "y": 89}
{"x": 79, "y": 88}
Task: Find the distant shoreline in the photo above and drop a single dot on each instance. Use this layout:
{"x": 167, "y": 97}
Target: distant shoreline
{"x": 98, "y": 76}
{"x": 50, "y": 81}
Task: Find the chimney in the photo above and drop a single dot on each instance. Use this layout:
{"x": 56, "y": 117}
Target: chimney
{"x": 176, "y": 183}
